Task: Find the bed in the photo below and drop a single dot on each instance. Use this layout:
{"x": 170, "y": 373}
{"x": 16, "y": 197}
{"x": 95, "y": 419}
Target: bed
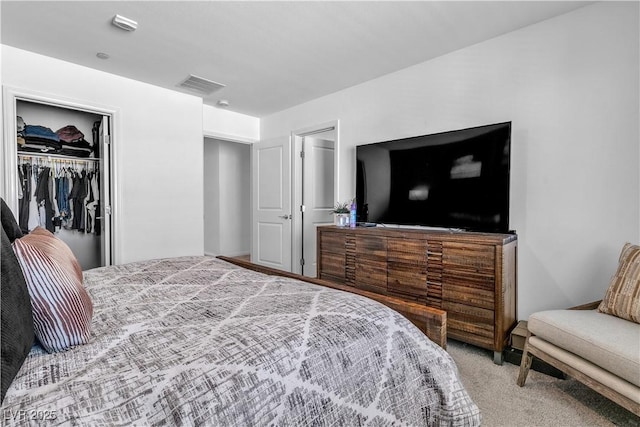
{"x": 197, "y": 340}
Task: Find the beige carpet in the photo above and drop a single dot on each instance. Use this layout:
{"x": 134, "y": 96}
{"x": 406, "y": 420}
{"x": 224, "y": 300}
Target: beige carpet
{"x": 543, "y": 401}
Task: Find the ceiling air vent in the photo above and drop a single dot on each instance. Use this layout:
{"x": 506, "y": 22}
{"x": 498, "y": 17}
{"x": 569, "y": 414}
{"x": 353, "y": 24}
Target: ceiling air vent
{"x": 200, "y": 85}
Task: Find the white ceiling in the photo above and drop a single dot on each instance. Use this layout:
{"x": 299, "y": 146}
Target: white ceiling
{"x": 271, "y": 55}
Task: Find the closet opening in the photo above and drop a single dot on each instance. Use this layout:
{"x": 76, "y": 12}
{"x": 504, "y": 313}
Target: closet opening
{"x": 57, "y": 172}
{"x": 227, "y": 197}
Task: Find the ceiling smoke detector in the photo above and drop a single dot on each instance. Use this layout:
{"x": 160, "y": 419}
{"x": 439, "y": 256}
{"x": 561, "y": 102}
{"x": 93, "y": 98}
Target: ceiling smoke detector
{"x": 124, "y": 23}
{"x": 223, "y": 103}
{"x": 200, "y": 85}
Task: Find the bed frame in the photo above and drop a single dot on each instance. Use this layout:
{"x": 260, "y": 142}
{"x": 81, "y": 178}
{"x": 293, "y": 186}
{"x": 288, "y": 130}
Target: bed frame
{"x": 431, "y": 321}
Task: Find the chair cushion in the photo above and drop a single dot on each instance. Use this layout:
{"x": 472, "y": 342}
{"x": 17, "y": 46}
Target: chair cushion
{"x": 604, "y": 340}
{"x": 622, "y": 299}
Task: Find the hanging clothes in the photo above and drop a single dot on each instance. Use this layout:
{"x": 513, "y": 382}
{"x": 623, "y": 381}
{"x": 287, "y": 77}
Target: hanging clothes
{"x": 34, "y": 214}
{"x": 58, "y": 193}
{"x": 62, "y": 195}
{"x": 96, "y": 184}
{"x": 92, "y": 204}
{"x": 44, "y": 198}
{"x": 78, "y": 194}
{"x": 24, "y": 177}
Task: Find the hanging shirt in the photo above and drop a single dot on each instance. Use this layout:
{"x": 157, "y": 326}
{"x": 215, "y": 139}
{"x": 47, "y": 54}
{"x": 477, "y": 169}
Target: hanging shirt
{"x": 24, "y": 172}
{"x": 34, "y": 215}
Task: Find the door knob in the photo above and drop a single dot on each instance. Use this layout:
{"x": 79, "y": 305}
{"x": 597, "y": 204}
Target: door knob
{"x": 285, "y": 216}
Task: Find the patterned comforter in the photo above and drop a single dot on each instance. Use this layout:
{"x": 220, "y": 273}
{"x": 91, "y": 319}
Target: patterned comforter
{"x": 198, "y": 341}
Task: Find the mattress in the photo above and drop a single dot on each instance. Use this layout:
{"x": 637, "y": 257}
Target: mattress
{"x": 199, "y": 341}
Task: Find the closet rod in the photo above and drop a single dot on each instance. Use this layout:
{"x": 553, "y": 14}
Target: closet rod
{"x": 58, "y": 157}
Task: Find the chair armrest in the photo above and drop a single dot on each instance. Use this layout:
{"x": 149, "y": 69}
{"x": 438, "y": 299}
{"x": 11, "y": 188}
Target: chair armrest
{"x": 588, "y": 306}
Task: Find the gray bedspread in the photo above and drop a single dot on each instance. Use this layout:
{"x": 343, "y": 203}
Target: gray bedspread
{"x": 198, "y": 341}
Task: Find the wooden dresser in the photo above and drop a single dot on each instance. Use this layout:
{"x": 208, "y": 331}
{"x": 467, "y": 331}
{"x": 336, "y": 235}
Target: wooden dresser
{"x": 471, "y": 276}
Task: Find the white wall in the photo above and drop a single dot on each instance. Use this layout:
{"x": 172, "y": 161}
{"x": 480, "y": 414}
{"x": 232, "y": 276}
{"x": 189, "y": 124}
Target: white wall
{"x": 225, "y": 124}
{"x": 570, "y": 85}
{"x": 227, "y": 176}
{"x": 158, "y": 199}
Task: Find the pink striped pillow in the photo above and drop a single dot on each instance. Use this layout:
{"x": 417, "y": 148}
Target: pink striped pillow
{"x": 55, "y": 248}
{"x": 62, "y": 308}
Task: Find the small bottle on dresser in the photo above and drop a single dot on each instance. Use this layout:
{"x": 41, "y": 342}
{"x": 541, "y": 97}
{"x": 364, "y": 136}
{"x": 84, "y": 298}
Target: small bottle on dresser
{"x": 352, "y": 214}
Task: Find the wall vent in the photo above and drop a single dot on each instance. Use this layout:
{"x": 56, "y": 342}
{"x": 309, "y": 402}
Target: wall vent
{"x": 200, "y": 85}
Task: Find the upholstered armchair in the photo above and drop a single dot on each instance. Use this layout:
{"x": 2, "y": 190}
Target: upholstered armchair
{"x": 598, "y": 344}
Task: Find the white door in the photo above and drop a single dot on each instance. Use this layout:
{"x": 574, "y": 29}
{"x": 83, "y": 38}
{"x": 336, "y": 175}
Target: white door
{"x": 317, "y": 195}
{"x": 105, "y": 192}
{"x": 271, "y": 182}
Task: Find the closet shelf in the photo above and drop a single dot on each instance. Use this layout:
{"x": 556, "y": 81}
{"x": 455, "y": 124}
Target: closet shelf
{"x": 56, "y": 156}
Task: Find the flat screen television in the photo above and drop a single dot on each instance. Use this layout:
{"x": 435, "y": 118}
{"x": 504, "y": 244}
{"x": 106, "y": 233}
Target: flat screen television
{"x": 457, "y": 179}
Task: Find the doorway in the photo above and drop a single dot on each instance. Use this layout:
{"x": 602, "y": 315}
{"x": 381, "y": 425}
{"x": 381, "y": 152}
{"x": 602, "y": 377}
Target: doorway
{"x": 314, "y": 192}
{"x": 86, "y": 223}
{"x": 227, "y": 202}
{"x": 294, "y": 188}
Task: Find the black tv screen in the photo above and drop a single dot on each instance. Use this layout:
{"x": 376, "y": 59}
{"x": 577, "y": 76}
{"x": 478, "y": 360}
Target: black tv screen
{"x": 457, "y": 179}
